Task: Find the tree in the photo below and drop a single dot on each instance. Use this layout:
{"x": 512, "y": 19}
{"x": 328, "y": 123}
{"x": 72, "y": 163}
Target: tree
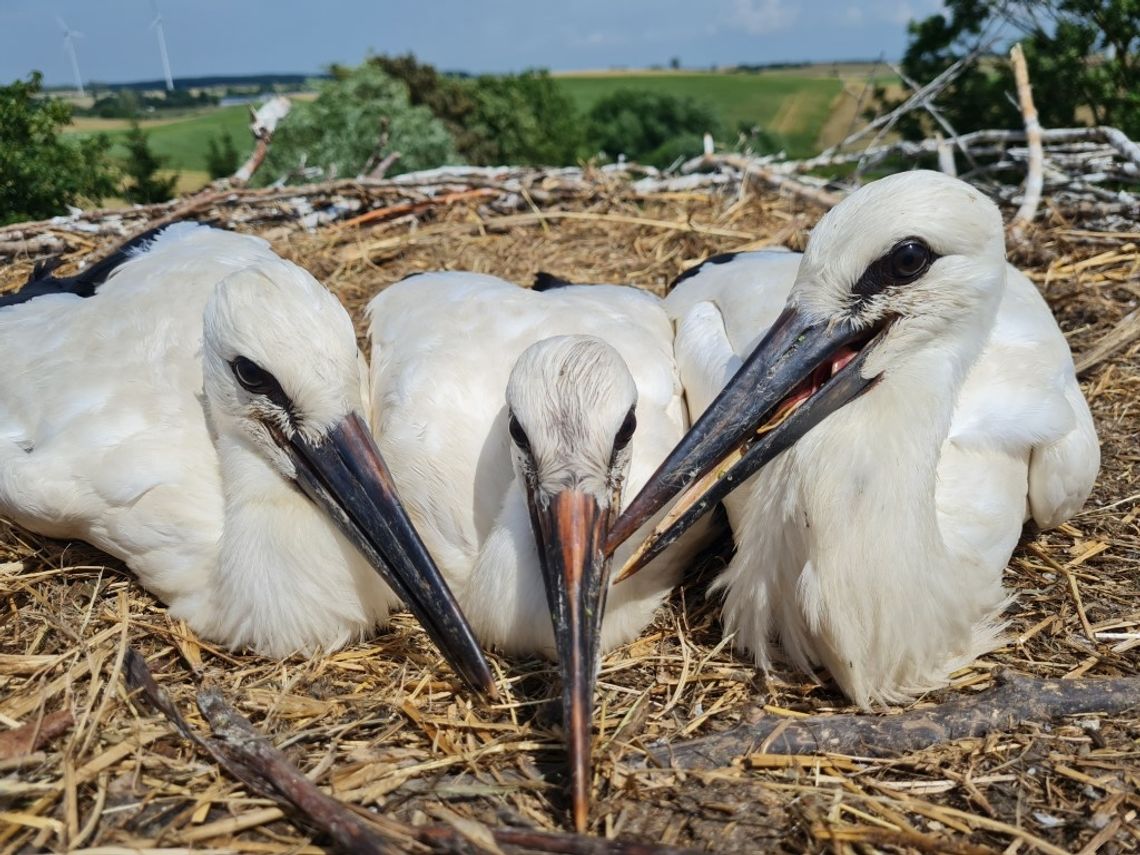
{"x": 649, "y": 127}
{"x": 222, "y": 158}
{"x": 41, "y": 171}
{"x": 358, "y": 112}
{"x": 1082, "y": 56}
{"x": 523, "y": 118}
{"x": 141, "y": 166}
{"x": 513, "y": 118}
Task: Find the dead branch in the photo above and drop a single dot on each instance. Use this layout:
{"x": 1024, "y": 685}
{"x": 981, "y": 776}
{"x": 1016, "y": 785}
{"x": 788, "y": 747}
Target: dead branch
{"x": 249, "y": 756}
{"x": 1014, "y": 699}
{"x": 264, "y": 122}
{"x": 1035, "y": 176}
{"x": 755, "y": 169}
{"x": 382, "y": 167}
{"x": 35, "y": 734}
{"x": 1126, "y": 331}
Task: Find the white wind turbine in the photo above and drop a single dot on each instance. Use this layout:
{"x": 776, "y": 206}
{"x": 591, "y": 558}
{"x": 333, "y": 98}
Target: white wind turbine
{"x": 157, "y": 25}
{"x": 69, "y": 37}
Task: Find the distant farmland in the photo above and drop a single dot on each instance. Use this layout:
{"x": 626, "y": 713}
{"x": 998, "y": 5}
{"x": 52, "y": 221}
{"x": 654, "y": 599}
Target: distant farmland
{"x": 789, "y": 107}
{"x": 802, "y": 109}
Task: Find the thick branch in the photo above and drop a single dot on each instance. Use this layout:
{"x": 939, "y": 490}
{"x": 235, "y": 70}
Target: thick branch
{"x": 1015, "y": 699}
{"x": 1035, "y": 176}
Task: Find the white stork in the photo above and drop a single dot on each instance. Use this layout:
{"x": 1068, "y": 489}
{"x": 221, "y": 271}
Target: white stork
{"x": 508, "y": 416}
{"x": 201, "y": 417}
{"x": 926, "y": 406}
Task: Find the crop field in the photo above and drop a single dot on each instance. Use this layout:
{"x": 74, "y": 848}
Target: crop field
{"x": 802, "y": 109}
{"x": 791, "y": 108}
{"x": 182, "y": 141}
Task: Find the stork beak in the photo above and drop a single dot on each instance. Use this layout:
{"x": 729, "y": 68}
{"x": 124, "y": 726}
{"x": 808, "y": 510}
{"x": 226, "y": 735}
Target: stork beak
{"x": 570, "y": 530}
{"x": 347, "y": 478}
{"x": 799, "y": 373}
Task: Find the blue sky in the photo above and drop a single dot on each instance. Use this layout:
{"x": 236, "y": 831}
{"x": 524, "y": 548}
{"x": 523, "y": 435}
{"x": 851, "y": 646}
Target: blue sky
{"x": 248, "y": 36}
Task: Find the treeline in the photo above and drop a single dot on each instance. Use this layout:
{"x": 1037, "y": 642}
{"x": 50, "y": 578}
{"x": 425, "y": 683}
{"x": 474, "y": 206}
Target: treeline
{"x": 399, "y": 104}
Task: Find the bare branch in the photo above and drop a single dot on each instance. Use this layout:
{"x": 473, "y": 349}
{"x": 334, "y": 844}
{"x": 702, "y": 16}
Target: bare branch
{"x": 1015, "y": 699}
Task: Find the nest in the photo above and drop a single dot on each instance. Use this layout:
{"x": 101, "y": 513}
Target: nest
{"x": 386, "y": 726}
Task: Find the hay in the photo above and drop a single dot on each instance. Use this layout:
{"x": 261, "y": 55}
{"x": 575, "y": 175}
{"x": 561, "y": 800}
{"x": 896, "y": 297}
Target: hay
{"x": 385, "y": 726}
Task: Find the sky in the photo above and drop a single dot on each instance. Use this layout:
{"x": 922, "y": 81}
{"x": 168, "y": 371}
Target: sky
{"x": 251, "y": 36}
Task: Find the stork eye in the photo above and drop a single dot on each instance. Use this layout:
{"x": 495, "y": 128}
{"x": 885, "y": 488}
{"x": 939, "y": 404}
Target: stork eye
{"x": 518, "y": 434}
{"x": 908, "y": 260}
{"x": 625, "y": 432}
{"x": 253, "y": 377}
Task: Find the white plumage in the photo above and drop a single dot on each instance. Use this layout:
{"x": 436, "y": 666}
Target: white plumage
{"x": 444, "y": 346}
{"x": 126, "y": 420}
{"x": 505, "y": 414}
{"x": 875, "y": 545}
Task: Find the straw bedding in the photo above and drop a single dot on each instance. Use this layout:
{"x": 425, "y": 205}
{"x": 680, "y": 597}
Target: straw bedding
{"x": 385, "y": 725}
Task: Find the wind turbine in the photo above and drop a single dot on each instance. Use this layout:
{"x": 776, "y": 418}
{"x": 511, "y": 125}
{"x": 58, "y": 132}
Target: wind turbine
{"x": 69, "y": 37}
{"x": 157, "y": 24}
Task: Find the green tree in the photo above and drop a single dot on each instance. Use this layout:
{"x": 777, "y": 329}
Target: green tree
{"x": 1082, "y": 56}
{"x": 523, "y": 119}
{"x": 144, "y": 184}
{"x": 352, "y": 115}
{"x": 649, "y": 127}
{"x": 449, "y": 98}
{"x": 41, "y": 171}
{"x": 222, "y": 158}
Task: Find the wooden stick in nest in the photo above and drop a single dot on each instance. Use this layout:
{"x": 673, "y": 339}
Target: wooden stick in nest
{"x": 250, "y": 757}
{"x": 1015, "y": 698}
{"x": 1035, "y": 177}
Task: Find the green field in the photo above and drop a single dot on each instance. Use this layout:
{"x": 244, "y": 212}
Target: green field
{"x": 791, "y": 108}
{"x": 183, "y": 142}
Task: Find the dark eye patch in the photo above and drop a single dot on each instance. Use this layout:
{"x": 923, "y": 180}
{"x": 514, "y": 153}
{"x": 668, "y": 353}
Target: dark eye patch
{"x": 518, "y": 434}
{"x": 625, "y": 432}
{"x": 257, "y": 381}
{"x": 905, "y": 262}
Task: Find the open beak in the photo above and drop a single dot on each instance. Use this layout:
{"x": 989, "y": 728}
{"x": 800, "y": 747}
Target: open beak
{"x": 799, "y": 373}
{"x": 347, "y": 478}
{"x": 570, "y": 530}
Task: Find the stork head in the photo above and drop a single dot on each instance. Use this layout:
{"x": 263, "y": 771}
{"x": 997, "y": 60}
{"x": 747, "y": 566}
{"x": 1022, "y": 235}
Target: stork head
{"x": 906, "y": 266}
{"x": 282, "y": 376}
{"x": 571, "y": 401}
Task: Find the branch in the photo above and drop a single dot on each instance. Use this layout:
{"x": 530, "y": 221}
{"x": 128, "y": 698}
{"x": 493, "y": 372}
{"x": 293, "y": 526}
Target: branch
{"x": 1035, "y": 177}
{"x": 1014, "y": 699}
{"x": 246, "y": 754}
{"x": 264, "y": 123}
{"x": 1126, "y": 331}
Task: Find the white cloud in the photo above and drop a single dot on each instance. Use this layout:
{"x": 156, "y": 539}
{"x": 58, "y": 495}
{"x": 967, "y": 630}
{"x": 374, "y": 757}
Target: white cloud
{"x": 904, "y": 11}
{"x": 853, "y": 15}
{"x": 760, "y": 17}
{"x": 597, "y": 39}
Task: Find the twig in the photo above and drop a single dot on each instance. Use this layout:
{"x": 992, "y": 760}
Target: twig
{"x": 1035, "y": 176}
{"x": 414, "y": 207}
{"x": 1015, "y": 698}
{"x": 1126, "y": 331}
{"x": 245, "y": 753}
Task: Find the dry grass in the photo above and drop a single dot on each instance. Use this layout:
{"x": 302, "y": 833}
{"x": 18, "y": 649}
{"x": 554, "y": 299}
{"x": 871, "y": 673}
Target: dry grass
{"x": 385, "y": 725}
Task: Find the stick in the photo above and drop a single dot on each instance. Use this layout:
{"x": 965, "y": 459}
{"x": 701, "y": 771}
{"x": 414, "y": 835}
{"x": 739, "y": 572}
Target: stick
{"x": 263, "y": 124}
{"x": 1035, "y": 177}
{"x": 415, "y": 207}
{"x": 1126, "y": 331}
{"x": 245, "y": 753}
{"x": 1014, "y": 699}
